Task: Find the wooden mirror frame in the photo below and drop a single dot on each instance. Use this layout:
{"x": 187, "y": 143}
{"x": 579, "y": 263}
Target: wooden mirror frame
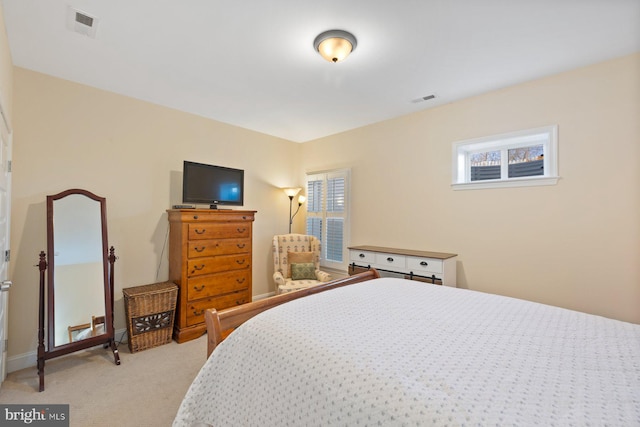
{"x": 107, "y": 339}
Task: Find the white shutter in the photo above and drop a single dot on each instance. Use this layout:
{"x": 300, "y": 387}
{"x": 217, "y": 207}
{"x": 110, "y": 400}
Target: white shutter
{"x": 314, "y": 227}
{"x": 327, "y": 215}
{"x": 334, "y": 240}
{"x": 314, "y": 195}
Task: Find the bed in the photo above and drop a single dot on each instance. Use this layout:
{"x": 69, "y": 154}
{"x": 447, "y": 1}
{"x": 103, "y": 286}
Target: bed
{"x": 390, "y": 351}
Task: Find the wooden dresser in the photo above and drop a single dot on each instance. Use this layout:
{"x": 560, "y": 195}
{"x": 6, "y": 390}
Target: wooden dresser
{"x": 210, "y": 261}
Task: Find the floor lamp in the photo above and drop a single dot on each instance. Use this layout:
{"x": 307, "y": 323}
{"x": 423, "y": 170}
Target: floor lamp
{"x": 291, "y": 193}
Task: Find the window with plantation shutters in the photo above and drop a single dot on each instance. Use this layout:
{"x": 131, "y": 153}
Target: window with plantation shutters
{"x": 327, "y": 214}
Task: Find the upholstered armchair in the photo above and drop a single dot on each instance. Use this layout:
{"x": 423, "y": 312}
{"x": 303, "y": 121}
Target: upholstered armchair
{"x": 296, "y": 261}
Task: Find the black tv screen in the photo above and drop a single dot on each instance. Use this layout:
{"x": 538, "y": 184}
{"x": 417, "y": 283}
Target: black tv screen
{"x": 213, "y": 185}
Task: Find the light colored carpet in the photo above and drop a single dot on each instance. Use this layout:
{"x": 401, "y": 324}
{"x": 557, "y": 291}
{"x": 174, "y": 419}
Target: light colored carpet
{"x": 145, "y": 390}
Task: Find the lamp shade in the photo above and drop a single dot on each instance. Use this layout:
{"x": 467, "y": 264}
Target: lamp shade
{"x": 291, "y": 192}
{"x": 335, "y": 45}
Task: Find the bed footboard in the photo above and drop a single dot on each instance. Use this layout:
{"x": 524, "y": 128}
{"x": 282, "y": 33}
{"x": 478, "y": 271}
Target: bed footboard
{"x": 221, "y": 323}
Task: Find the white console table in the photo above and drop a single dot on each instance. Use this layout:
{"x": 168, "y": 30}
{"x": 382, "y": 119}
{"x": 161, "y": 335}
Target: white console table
{"x": 432, "y": 267}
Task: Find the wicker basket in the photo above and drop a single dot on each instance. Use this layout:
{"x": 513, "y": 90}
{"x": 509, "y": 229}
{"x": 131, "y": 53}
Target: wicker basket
{"x": 150, "y": 311}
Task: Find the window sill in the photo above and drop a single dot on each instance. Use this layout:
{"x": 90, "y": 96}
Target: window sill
{"x": 506, "y": 183}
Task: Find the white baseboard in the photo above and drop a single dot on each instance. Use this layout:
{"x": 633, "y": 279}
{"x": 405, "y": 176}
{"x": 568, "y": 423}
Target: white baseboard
{"x": 262, "y": 296}
{"x": 30, "y": 359}
{"x": 22, "y": 361}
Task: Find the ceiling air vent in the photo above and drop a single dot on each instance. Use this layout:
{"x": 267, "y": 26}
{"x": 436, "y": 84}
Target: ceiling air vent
{"x": 81, "y": 22}
{"x": 84, "y": 19}
{"x": 424, "y": 98}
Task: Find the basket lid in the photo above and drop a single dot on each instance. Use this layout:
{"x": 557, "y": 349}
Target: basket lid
{"x": 147, "y": 289}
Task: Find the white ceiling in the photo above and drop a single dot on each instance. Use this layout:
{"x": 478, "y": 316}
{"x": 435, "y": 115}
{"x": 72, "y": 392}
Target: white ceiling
{"x": 251, "y": 63}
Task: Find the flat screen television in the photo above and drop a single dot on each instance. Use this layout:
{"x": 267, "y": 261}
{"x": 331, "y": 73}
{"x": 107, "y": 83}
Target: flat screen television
{"x": 213, "y": 185}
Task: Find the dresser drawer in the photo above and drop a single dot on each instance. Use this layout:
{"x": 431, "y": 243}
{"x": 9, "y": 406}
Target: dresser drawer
{"x": 204, "y": 248}
{"x": 195, "y": 309}
{"x": 362, "y": 257}
{"x": 209, "y": 265}
{"x": 424, "y": 265}
{"x": 219, "y": 231}
{"x": 391, "y": 261}
{"x": 217, "y": 284}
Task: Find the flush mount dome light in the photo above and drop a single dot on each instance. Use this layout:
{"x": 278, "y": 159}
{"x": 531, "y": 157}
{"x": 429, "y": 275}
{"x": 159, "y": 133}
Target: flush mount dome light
{"x": 335, "y": 45}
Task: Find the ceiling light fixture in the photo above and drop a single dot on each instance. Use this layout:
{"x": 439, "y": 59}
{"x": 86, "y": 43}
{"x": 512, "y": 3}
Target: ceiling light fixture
{"x": 335, "y": 45}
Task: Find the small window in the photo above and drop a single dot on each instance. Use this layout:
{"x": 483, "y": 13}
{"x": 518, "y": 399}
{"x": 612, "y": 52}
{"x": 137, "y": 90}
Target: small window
{"x": 510, "y": 160}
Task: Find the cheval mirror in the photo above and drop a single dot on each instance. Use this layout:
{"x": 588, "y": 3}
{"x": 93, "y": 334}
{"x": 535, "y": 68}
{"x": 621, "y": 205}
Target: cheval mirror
{"x": 79, "y": 288}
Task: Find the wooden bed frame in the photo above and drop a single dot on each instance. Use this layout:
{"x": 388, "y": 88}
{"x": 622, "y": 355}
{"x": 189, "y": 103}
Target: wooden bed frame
{"x": 222, "y": 323}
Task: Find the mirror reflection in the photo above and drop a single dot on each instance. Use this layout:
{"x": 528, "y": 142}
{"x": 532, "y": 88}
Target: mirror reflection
{"x": 78, "y": 274}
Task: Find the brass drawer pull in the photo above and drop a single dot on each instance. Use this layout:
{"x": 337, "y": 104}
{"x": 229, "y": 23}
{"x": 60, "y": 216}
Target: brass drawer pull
{"x": 198, "y": 268}
{"x": 239, "y": 302}
{"x": 241, "y": 230}
{"x": 198, "y": 288}
{"x": 241, "y": 261}
{"x": 198, "y": 312}
{"x": 199, "y": 249}
{"x": 201, "y": 232}
{"x": 241, "y": 280}
{"x": 241, "y": 245}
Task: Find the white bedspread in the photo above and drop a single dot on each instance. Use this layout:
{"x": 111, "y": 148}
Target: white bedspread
{"x": 395, "y": 352}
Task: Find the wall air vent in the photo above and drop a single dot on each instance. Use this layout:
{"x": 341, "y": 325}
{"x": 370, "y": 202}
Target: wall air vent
{"x": 81, "y": 22}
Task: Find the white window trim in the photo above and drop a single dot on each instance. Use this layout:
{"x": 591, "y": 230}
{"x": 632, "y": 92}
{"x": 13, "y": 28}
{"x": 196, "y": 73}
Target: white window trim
{"x": 547, "y": 135}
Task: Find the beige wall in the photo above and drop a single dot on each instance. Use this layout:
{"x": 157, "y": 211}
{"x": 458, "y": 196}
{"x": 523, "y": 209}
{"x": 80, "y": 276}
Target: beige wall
{"x": 575, "y": 244}
{"x": 72, "y": 136}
